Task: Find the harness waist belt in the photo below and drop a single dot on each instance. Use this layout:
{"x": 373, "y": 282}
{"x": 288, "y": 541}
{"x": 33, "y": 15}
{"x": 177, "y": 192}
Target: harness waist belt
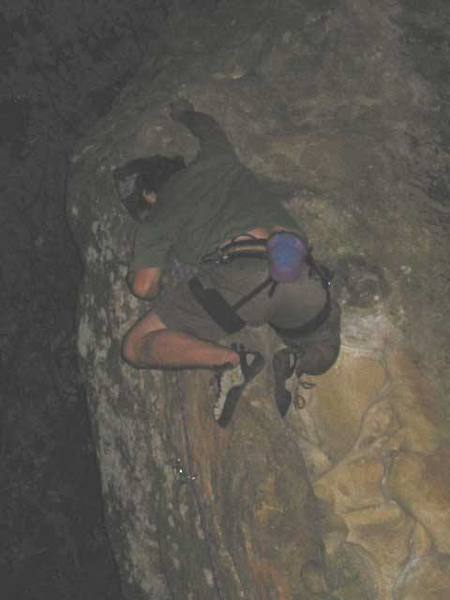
{"x": 225, "y": 314}
{"x": 216, "y": 306}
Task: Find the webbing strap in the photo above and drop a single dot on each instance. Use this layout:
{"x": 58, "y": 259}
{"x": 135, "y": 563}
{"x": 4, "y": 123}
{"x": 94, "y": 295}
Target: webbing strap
{"x": 216, "y": 306}
{"x": 253, "y": 293}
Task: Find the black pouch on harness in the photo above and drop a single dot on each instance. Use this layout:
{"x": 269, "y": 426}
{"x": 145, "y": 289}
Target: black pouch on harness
{"x": 216, "y": 306}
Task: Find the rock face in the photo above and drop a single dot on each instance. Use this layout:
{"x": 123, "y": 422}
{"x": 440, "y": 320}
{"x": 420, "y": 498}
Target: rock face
{"x": 348, "y": 498}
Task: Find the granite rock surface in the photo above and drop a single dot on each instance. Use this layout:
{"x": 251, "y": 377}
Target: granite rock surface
{"x": 333, "y": 105}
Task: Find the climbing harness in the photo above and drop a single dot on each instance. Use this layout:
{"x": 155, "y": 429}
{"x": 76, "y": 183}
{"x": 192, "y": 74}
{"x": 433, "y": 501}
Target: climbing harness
{"x": 226, "y": 314}
{"x": 284, "y": 266}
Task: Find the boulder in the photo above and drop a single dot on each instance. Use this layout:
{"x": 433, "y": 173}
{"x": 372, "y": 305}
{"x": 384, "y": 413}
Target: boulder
{"x": 349, "y": 497}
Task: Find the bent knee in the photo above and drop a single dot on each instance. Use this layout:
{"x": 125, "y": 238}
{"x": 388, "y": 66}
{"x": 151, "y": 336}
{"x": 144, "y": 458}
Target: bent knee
{"x": 133, "y": 340}
{"x": 128, "y": 348}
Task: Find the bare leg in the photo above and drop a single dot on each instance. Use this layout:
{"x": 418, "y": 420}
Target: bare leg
{"x": 174, "y": 349}
{"x": 149, "y": 344}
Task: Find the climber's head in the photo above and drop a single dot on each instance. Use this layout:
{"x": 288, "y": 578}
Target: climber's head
{"x": 287, "y": 256}
{"x": 140, "y": 180}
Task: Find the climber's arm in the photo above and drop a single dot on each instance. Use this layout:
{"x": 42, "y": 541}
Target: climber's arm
{"x": 144, "y": 283}
{"x": 152, "y": 244}
{"x": 204, "y": 127}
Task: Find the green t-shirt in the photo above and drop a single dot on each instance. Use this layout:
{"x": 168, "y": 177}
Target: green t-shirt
{"x": 214, "y": 199}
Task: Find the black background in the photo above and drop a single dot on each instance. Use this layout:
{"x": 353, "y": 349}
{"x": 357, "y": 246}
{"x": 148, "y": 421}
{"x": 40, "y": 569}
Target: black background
{"x": 62, "y": 63}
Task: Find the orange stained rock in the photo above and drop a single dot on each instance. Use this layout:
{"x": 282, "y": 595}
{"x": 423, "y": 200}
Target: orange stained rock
{"x": 209, "y": 443}
{"x": 421, "y": 484}
{"x": 427, "y": 579}
{"x": 378, "y": 424}
{"x": 343, "y": 396}
{"x": 384, "y": 531}
{"x": 352, "y": 484}
{"x": 270, "y": 504}
{"x": 407, "y": 397}
{"x": 422, "y": 543}
{"x": 268, "y": 578}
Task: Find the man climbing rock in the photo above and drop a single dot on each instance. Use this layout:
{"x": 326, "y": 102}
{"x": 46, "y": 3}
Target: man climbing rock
{"x": 252, "y": 266}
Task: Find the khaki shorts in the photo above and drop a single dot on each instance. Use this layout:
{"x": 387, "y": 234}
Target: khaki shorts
{"x": 291, "y": 305}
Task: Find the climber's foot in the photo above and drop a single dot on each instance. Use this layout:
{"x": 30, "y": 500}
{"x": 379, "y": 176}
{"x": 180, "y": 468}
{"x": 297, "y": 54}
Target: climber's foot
{"x": 231, "y": 382}
{"x": 286, "y": 379}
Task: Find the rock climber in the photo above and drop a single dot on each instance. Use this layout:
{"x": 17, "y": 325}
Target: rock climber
{"x": 250, "y": 264}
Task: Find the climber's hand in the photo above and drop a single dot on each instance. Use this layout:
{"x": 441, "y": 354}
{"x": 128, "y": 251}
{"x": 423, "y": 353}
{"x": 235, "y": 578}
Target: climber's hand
{"x": 178, "y": 107}
{"x": 145, "y": 283}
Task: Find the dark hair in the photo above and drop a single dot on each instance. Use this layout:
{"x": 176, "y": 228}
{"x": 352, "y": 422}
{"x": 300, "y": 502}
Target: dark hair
{"x": 144, "y": 175}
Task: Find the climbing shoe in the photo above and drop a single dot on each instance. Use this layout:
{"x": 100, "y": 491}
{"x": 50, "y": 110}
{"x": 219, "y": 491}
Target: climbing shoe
{"x": 232, "y": 381}
{"x": 286, "y": 379}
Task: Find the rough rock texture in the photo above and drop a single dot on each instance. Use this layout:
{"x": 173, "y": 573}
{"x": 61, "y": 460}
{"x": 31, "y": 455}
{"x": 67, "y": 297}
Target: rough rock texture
{"x": 350, "y": 497}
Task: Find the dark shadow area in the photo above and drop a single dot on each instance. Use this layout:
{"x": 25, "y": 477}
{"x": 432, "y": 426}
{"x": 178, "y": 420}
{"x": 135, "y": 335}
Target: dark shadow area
{"x": 427, "y": 36}
{"x": 61, "y": 65}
